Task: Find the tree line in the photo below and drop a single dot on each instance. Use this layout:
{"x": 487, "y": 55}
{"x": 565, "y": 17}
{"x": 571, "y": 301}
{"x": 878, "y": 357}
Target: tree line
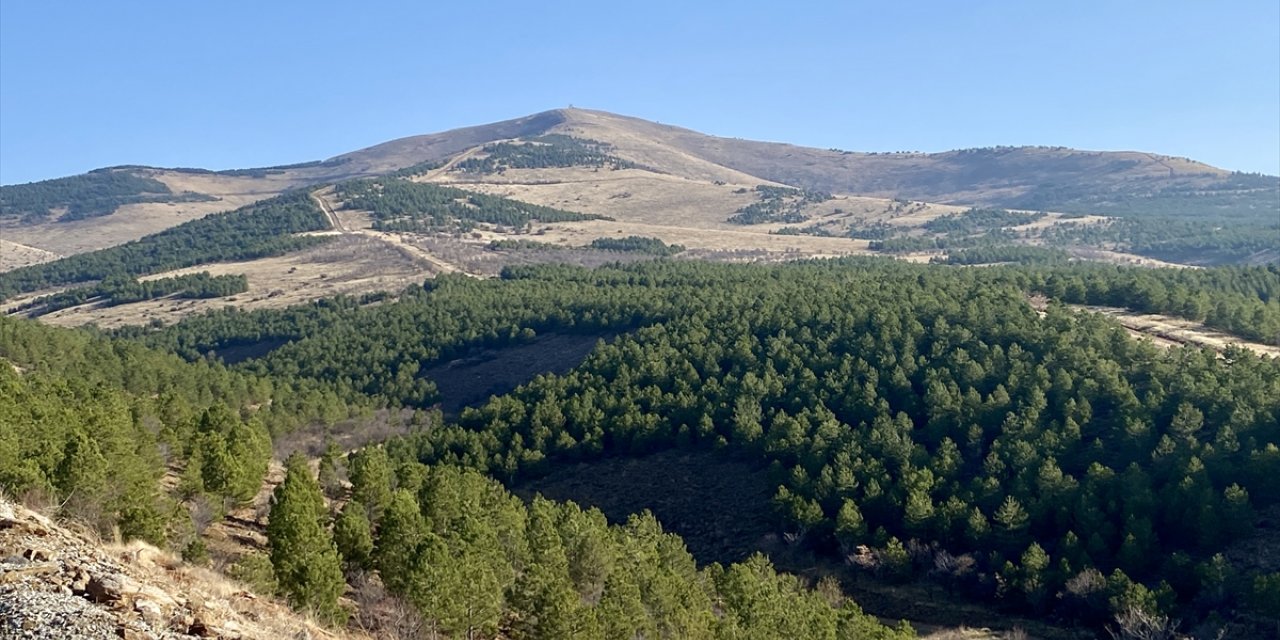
{"x": 255, "y": 231}
{"x": 97, "y": 193}
{"x": 550, "y": 151}
{"x": 402, "y": 205}
{"x": 118, "y": 289}
{"x": 637, "y": 244}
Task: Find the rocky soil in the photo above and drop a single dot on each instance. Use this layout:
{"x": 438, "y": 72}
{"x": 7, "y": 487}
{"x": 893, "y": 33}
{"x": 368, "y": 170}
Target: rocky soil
{"x": 58, "y": 584}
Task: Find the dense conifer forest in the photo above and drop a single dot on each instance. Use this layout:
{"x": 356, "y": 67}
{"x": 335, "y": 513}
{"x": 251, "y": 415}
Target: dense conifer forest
{"x": 922, "y": 422}
{"x": 918, "y": 423}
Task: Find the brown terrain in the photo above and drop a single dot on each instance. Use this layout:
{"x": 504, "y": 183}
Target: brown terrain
{"x": 681, "y": 172}
{"x": 681, "y": 187}
{"x": 58, "y": 583}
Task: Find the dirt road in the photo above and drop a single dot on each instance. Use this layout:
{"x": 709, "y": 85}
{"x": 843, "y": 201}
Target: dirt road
{"x": 396, "y": 240}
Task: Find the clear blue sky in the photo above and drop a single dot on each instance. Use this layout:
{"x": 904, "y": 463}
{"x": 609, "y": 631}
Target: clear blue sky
{"x": 238, "y": 84}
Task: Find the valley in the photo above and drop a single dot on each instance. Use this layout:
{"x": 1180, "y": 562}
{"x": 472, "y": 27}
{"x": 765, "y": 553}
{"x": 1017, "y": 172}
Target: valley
{"x": 582, "y": 375}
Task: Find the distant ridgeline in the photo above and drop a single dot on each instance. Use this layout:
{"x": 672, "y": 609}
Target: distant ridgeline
{"x": 1205, "y": 240}
{"x": 543, "y": 152}
{"x": 262, "y": 172}
{"x": 97, "y": 193}
{"x": 258, "y": 230}
{"x": 1226, "y": 221}
{"x": 401, "y": 205}
{"x": 1239, "y": 196}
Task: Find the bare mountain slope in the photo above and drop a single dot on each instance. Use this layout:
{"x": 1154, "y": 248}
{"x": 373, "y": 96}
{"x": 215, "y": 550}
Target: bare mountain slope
{"x": 998, "y": 176}
{"x": 676, "y": 175}
{"x": 435, "y": 147}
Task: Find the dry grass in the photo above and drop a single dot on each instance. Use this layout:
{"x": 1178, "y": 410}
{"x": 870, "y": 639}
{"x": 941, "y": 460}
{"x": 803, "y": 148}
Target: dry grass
{"x": 133, "y": 221}
{"x": 350, "y": 264}
{"x": 14, "y": 255}
{"x": 1168, "y": 331}
{"x": 630, "y": 194}
{"x": 1130, "y": 259}
{"x": 738, "y": 238}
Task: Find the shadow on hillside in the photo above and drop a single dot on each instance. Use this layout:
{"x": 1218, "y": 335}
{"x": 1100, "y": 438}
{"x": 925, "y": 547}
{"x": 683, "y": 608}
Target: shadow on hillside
{"x": 471, "y": 380}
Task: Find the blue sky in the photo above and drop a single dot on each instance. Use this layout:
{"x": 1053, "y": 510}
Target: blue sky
{"x": 238, "y": 84}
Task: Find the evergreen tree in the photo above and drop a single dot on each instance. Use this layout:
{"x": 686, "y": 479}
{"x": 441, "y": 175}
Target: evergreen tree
{"x": 353, "y": 537}
{"x": 371, "y": 480}
{"x": 400, "y": 534}
{"x": 306, "y": 564}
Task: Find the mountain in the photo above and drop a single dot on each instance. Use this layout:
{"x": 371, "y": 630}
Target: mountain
{"x": 143, "y": 200}
{"x": 578, "y": 186}
{"x": 997, "y": 176}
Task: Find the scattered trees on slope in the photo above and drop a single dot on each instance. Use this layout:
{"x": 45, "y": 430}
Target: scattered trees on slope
{"x": 97, "y": 193}
{"x": 402, "y": 205}
{"x": 255, "y": 231}
{"x": 543, "y": 152}
{"x": 117, "y": 290}
{"x": 303, "y": 556}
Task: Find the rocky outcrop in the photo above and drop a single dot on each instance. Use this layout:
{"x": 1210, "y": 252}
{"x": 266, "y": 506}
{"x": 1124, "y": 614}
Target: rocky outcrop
{"x": 58, "y": 584}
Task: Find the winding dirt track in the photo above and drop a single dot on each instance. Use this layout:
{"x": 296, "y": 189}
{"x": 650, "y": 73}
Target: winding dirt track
{"x": 396, "y": 240}
{"x": 328, "y": 212}
{"x": 448, "y": 166}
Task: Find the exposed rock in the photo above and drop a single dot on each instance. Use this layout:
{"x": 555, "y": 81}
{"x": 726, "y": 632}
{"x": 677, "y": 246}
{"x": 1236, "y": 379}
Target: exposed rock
{"x": 110, "y": 588}
{"x": 55, "y": 584}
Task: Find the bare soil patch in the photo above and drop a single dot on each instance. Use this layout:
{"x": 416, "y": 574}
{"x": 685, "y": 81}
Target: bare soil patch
{"x": 1168, "y": 331}
{"x": 718, "y": 504}
{"x": 235, "y": 354}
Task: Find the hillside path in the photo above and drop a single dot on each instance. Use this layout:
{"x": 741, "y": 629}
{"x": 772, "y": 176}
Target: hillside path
{"x": 453, "y": 162}
{"x": 396, "y": 240}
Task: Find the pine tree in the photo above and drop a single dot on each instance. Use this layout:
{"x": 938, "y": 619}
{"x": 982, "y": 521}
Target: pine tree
{"x": 354, "y": 537}
{"x": 399, "y": 536}
{"x": 918, "y": 514}
{"x": 305, "y": 561}
{"x": 1011, "y": 521}
{"x": 328, "y": 471}
{"x": 543, "y": 595}
{"x": 371, "y": 480}
{"x": 851, "y": 529}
